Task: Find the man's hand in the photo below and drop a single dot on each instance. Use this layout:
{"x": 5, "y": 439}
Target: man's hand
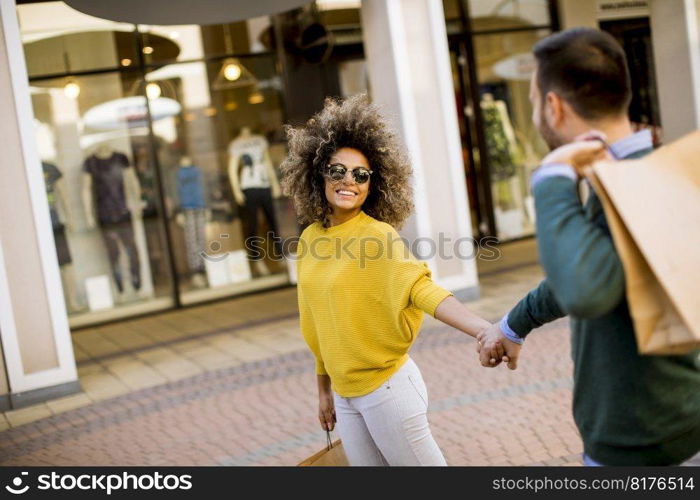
{"x": 493, "y": 347}
{"x": 580, "y": 154}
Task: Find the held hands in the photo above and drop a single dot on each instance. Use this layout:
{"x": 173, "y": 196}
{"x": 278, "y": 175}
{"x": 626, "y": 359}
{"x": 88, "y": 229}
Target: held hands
{"x": 493, "y": 348}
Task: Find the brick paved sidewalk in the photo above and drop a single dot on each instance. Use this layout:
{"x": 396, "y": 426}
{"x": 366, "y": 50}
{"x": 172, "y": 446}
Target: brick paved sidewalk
{"x": 245, "y": 394}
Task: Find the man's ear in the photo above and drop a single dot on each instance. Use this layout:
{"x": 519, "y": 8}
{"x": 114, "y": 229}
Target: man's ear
{"x": 554, "y": 109}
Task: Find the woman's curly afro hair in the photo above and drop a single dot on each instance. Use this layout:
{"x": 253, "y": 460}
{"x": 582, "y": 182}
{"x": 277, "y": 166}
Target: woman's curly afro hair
{"x": 350, "y": 123}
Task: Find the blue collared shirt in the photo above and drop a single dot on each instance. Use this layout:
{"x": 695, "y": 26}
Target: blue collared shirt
{"x": 624, "y": 147}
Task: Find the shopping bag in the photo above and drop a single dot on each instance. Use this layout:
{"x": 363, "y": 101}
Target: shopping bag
{"x": 653, "y": 209}
{"x": 330, "y": 456}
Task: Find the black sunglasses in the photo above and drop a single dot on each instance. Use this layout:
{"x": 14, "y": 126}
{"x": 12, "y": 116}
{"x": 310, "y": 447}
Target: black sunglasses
{"x": 336, "y": 172}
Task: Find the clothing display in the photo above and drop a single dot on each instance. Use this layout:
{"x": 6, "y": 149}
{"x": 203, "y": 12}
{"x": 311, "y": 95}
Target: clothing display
{"x": 220, "y": 196}
{"x": 500, "y": 148}
{"x": 51, "y": 175}
{"x": 190, "y": 187}
{"x": 113, "y": 215}
{"x": 108, "y": 187}
{"x": 149, "y": 196}
{"x": 249, "y": 169}
{"x": 252, "y": 170}
{"x": 195, "y": 238}
{"x": 124, "y": 232}
{"x": 256, "y": 199}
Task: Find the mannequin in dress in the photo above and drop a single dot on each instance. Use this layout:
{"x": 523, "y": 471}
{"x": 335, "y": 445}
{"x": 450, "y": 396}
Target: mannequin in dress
{"x": 111, "y": 191}
{"x": 254, "y": 184}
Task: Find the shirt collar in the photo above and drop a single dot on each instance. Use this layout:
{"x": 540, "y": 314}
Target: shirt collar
{"x": 632, "y": 144}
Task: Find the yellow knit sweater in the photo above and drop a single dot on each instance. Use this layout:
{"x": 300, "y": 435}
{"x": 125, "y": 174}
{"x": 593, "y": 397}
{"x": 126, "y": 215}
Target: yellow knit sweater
{"x": 361, "y": 301}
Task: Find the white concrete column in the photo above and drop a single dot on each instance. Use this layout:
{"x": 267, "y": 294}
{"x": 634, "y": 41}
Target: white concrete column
{"x": 411, "y": 80}
{"x": 675, "y": 25}
{"x": 36, "y": 343}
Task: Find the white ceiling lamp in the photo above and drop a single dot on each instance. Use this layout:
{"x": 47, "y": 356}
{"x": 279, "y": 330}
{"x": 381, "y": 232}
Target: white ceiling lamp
{"x": 232, "y": 70}
{"x": 153, "y": 91}
{"x": 71, "y": 90}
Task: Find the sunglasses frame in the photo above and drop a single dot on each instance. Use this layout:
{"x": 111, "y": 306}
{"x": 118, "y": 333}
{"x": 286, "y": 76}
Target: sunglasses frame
{"x": 351, "y": 170}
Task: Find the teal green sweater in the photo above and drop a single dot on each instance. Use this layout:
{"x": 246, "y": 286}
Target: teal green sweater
{"x": 629, "y": 409}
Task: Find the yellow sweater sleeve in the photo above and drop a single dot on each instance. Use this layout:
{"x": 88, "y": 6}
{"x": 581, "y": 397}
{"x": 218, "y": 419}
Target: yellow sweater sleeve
{"x": 426, "y": 295}
{"x": 308, "y": 328}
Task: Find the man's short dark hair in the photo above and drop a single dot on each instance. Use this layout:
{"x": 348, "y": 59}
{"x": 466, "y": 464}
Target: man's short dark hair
{"x": 588, "y": 69}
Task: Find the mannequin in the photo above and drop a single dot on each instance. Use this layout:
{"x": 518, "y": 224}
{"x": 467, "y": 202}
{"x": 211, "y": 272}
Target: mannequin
{"x": 56, "y": 195}
{"x": 111, "y": 191}
{"x": 254, "y": 184}
{"x": 145, "y": 172}
{"x": 193, "y": 217}
{"x": 505, "y": 160}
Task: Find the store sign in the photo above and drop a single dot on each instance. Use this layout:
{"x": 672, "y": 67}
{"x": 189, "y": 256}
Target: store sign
{"x": 129, "y": 112}
{"x": 622, "y": 9}
{"x": 516, "y": 67}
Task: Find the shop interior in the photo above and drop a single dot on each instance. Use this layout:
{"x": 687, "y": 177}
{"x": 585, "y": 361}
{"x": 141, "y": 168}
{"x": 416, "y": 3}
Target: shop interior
{"x": 161, "y": 145}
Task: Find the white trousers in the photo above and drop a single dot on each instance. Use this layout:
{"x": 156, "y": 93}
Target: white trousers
{"x": 389, "y": 426}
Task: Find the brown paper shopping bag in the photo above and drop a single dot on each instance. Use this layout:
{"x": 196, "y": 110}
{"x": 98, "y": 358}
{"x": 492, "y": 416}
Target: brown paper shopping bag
{"x": 330, "y": 456}
{"x": 653, "y": 209}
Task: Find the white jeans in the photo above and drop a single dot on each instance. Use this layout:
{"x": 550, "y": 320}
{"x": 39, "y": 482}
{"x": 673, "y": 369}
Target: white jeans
{"x": 389, "y": 426}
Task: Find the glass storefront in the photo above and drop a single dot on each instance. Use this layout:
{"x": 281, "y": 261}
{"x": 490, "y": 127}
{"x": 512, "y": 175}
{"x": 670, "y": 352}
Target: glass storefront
{"x": 161, "y": 147}
{"x": 161, "y": 144}
{"x": 490, "y": 48}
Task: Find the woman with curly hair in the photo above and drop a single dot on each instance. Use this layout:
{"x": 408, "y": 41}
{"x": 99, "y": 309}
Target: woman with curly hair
{"x": 362, "y": 294}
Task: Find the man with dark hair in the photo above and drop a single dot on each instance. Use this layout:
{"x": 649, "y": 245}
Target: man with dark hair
{"x": 630, "y": 409}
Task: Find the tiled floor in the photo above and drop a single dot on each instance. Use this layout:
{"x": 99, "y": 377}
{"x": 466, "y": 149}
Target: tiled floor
{"x": 232, "y": 383}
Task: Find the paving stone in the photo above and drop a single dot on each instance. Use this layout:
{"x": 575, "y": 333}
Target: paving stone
{"x": 219, "y": 384}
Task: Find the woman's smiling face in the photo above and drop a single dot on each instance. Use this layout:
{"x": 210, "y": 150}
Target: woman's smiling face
{"x": 346, "y": 195}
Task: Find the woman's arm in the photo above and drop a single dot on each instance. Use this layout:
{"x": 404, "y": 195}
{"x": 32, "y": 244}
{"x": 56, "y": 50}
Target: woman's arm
{"x": 455, "y": 314}
{"x": 326, "y": 408}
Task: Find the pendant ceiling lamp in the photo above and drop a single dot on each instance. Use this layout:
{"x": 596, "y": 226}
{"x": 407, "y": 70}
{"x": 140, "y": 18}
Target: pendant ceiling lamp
{"x": 166, "y": 12}
{"x": 233, "y": 74}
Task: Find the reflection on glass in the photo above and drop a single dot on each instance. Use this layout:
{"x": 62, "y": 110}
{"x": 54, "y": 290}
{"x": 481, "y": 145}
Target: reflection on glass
{"x": 58, "y": 39}
{"x": 92, "y": 137}
{"x": 180, "y": 43}
{"x": 490, "y": 14}
{"x": 514, "y": 148}
{"x": 219, "y": 158}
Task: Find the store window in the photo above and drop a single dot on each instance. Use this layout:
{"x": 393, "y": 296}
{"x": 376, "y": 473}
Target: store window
{"x": 492, "y": 63}
{"x": 161, "y": 147}
{"x": 513, "y": 145}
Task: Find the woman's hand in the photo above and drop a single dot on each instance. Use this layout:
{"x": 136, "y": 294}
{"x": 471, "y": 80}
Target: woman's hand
{"x": 326, "y": 411}
{"x": 326, "y": 408}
